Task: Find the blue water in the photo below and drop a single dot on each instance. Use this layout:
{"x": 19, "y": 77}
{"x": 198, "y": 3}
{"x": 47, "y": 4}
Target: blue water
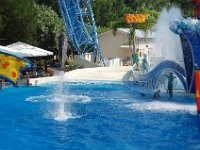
{"x": 105, "y": 116}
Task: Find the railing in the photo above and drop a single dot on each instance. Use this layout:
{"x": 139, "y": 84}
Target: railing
{"x": 115, "y": 62}
{"x": 150, "y": 80}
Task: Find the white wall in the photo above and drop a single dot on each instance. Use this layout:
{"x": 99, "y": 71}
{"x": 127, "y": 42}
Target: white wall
{"x": 110, "y": 45}
{"x": 80, "y": 61}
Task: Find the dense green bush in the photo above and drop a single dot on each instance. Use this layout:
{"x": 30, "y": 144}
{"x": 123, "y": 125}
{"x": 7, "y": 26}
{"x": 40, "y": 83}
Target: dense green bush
{"x": 49, "y": 26}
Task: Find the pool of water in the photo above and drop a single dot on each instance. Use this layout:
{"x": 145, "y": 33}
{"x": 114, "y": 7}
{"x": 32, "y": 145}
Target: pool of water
{"x": 100, "y": 116}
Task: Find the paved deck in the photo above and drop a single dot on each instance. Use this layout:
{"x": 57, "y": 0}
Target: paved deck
{"x": 123, "y": 73}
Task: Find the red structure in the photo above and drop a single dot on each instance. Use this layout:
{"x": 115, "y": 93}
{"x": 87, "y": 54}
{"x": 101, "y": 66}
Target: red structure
{"x": 197, "y": 79}
{"x": 197, "y": 9}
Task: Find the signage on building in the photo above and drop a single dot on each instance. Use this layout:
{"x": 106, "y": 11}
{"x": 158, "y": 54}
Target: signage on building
{"x": 136, "y": 18}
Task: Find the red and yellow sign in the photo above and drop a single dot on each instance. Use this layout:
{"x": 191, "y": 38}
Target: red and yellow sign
{"x": 197, "y": 79}
{"x": 136, "y": 18}
{"x": 11, "y": 66}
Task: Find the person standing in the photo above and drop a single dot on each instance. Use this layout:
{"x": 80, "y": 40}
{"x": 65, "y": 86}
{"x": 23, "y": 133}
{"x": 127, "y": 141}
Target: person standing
{"x": 145, "y": 65}
{"x": 1, "y": 84}
{"x": 34, "y": 70}
{"x": 27, "y": 79}
{"x": 136, "y": 59}
{"x": 170, "y": 84}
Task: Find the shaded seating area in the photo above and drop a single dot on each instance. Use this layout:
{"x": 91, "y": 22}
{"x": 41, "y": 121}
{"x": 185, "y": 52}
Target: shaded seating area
{"x": 40, "y": 71}
{"x": 26, "y": 50}
{"x": 38, "y": 56}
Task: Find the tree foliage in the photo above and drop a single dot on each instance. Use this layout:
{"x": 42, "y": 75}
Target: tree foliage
{"x": 29, "y": 22}
{"x": 103, "y": 12}
{"x": 40, "y": 25}
{"x": 151, "y": 7}
{"x": 49, "y": 26}
{"x": 17, "y": 20}
{"x": 50, "y": 3}
{"x": 2, "y": 23}
{"x": 108, "y": 11}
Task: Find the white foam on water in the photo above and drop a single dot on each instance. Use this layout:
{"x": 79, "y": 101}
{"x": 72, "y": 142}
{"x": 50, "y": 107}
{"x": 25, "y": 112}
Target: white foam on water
{"x": 78, "y": 98}
{"x": 39, "y": 98}
{"x": 61, "y": 105}
{"x": 163, "y": 107}
{"x": 64, "y": 117}
{"x": 61, "y": 98}
{"x": 63, "y": 114}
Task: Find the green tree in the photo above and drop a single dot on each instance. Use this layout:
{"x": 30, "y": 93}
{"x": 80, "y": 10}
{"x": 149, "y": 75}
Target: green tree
{"x": 2, "y": 24}
{"x": 102, "y": 12}
{"x": 17, "y": 20}
{"x": 109, "y": 12}
{"x": 119, "y": 9}
{"x": 151, "y": 7}
{"x": 49, "y": 26}
{"x": 153, "y": 15}
{"x": 50, "y": 3}
{"x": 139, "y": 5}
{"x": 2, "y": 17}
{"x": 186, "y": 6}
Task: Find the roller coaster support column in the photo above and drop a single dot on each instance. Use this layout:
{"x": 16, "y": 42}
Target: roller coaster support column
{"x": 82, "y": 34}
{"x": 94, "y": 33}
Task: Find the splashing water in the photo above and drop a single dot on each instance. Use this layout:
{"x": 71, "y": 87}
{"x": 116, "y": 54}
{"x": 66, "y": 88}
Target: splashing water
{"x": 60, "y": 97}
{"x": 59, "y": 94}
{"x": 167, "y": 45}
{"x": 61, "y": 101}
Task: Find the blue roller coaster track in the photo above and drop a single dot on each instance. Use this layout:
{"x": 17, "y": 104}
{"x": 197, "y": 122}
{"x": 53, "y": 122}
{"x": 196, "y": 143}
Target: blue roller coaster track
{"x": 80, "y": 26}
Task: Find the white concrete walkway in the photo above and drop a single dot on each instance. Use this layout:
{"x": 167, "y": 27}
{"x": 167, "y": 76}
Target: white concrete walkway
{"x": 123, "y": 73}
